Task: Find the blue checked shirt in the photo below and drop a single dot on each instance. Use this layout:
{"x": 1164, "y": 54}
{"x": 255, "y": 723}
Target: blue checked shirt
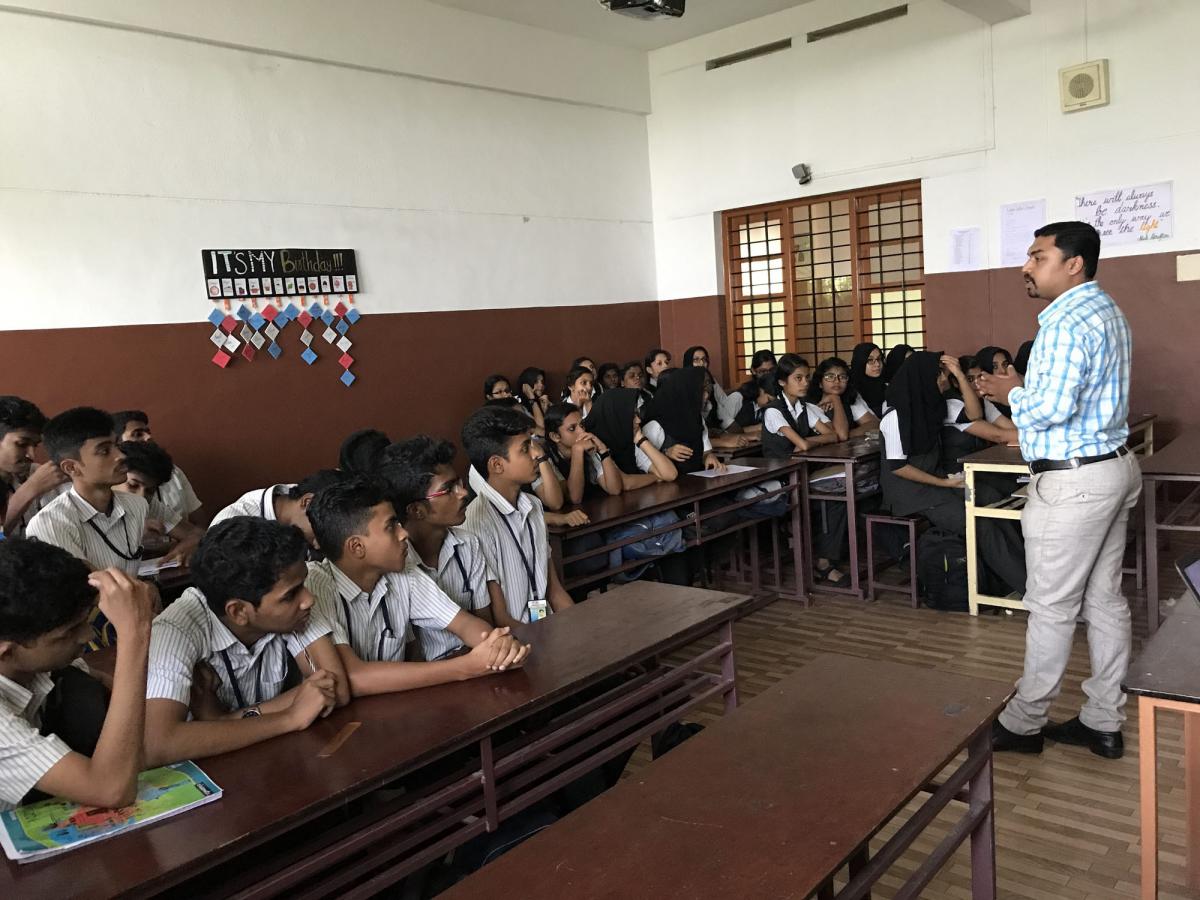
{"x": 1075, "y": 401}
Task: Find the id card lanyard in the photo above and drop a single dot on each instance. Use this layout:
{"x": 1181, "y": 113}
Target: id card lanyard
{"x": 233, "y": 682}
{"x": 529, "y": 569}
{"x": 462, "y": 570}
{"x": 387, "y": 623}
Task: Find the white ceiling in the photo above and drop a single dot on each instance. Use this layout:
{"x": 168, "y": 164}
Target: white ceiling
{"x": 588, "y": 19}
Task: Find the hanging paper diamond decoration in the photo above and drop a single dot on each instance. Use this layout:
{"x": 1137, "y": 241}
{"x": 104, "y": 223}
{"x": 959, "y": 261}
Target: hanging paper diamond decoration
{"x": 308, "y": 356}
{"x": 315, "y": 310}
{"x": 257, "y": 321}
{"x": 221, "y": 359}
{"x": 347, "y": 378}
{"x": 344, "y": 344}
{"x": 340, "y": 309}
{"x": 228, "y": 324}
{"x": 342, "y": 326}
{"x": 353, "y": 315}
{"x": 306, "y": 338}
{"x": 246, "y": 332}
{"x": 271, "y": 331}
{"x": 243, "y": 313}
{"x": 346, "y": 361}
{"x": 258, "y": 340}
{"x": 304, "y": 319}
{"x": 274, "y": 349}
{"x": 270, "y": 312}
{"x": 232, "y": 343}
{"x": 330, "y": 335}
{"x": 327, "y": 317}
{"x": 217, "y": 337}
{"x": 216, "y": 317}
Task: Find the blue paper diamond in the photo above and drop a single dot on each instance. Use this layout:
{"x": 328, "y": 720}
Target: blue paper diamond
{"x": 342, "y": 326}
{"x": 353, "y": 315}
{"x": 315, "y": 310}
{"x": 282, "y": 319}
{"x": 308, "y": 356}
{"x": 274, "y": 349}
{"x": 216, "y": 318}
{"x": 327, "y": 317}
{"x": 347, "y": 378}
{"x": 243, "y": 313}
{"x": 291, "y": 310}
{"x": 257, "y": 321}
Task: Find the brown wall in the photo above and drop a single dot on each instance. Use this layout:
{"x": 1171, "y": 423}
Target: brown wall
{"x": 691, "y": 322}
{"x": 277, "y": 420}
{"x": 968, "y": 310}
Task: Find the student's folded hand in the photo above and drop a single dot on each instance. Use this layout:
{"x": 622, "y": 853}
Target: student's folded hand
{"x": 498, "y": 650}
{"x": 575, "y": 518}
{"x": 316, "y": 696}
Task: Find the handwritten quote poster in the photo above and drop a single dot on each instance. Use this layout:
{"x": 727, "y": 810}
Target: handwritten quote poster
{"x": 1128, "y": 215}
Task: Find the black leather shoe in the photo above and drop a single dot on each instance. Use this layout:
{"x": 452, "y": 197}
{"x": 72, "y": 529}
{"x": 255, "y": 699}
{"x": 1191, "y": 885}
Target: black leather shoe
{"x": 1108, "y": 744}
{"x": 1003, "y": 739}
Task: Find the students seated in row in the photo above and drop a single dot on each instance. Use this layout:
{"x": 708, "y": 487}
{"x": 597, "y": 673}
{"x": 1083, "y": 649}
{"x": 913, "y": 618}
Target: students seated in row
{"x": 286, "y": 504}
{"x": 830, "y": 387}
{"x": 995, "y": 360}
{"x": 656, "y": 361}
{"x": 724, "y": 406}
{"x": 370, "y": 592}
{"x": 866, "y": 376}
{"x": 763, "y": 362}
{"x": 230, "y": 659}
{"x": 531, "y": 392}
{"x": 24, "y": 486}
{"x": 47, "y": 741}
{"x": 507, "y": 520}
{"x": 914, "y": 477}
{"x": 581, "y": 459}
{"x": 496, "y": 387}
{"x": 578, "y": 390}
{"x": 894, "y": 360}
{"x": 147, "y": 468}
{"x": 177, "y": 495}
{"x": 361, "y": 452}
{"x": 673, "y": 421}
{"x": 608, "y": 376}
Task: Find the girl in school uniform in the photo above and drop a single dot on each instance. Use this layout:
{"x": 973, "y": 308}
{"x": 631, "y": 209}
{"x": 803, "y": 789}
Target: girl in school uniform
{"x": 762, "y": 362}
{"x": 586, "y": 362}
{"x": 866, "y": 376}
{"x": 608, "y": 376}
{"x": 757, "y": 395}
{"x": 579, "y": 389}
{"x": 831, "y": 387}
{"x": 531, "y": 392}
{"x": 583, "y": 460}
{"x": 895, "y": 359}
{"x": 793, "y": 424}
{"x": 616, "y": 423}
{"x": 723, "y": 405}
{"x": 995, "y": 360}
{"x": 496, "y": 387}
{"x": 673, "y": 420}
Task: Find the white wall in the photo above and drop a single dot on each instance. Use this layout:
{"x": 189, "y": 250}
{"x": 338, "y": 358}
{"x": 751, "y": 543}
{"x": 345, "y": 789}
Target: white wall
{"x": 126, "y": 150}
{"x": 973, "y": 111}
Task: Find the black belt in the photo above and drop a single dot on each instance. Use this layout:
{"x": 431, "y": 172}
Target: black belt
{"x": 1054, "y": 465}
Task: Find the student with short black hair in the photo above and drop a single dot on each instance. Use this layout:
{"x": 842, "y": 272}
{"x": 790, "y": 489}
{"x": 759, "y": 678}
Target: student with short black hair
{"x": 758, "y": 393}
{"x": 578, "y": 390}
{"x": 608, "y": 376}
{"x": 46, "y": 742}
{"x": 361, "y": 451}
{"x": 653, "y": 365}
{"x": 581, "y": 459}
{"x": 830, "y": 387}
{"x": 585, "y": 362}
{"x": 147, "y": 468}
{"x": 248, "y": 629}
{"x": 763, "y": 362}
{"x": 507, "y": 520}
{"x": 531, "y": 391}
{"x": 497, "y": 387}
{"x": 24, "y": 487}
{"x": 283, "y": 503}
{"x": 370, "y": 592}
{"x": 177, "y": 495}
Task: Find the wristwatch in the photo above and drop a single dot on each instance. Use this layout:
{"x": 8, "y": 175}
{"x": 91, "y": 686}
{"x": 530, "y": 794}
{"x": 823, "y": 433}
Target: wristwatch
{"x": 251, "y": 712}
{"x": 641, "y": 441}
{"x": 605, "y": 455}
{"x": 541, "y": 459}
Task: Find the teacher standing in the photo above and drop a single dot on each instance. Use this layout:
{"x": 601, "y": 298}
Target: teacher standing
{"x": 1071, "y": 410}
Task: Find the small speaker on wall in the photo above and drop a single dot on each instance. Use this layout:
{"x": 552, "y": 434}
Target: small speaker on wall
{"x": 1083, "y": 86}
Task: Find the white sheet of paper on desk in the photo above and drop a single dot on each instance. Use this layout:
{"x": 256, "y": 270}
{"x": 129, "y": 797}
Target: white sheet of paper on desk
{"x": 729, "y": 470}
{"x": 153, "y": 567}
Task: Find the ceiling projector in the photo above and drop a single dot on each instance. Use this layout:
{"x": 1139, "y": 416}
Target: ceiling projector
{"x": 645, "y": 9}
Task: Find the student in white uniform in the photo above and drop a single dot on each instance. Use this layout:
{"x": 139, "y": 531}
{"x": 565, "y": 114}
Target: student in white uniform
{"x": 148, "y": 467}
{"x": 177, "y": 494}
{"x": 24, "y": 486}
{"x": 269, "y": 667}
{"x": 582, "y": 461}
{"x": 830, "y": 387}
{"x": 371, "y": 593}
{"x": 579, "y": 389}
{"x": 283, "y": 503}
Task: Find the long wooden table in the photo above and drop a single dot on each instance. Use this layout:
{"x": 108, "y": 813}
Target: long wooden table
{"x": 291, "y": 821}
{"x": 1178, "y": 462}
{"x": 780, "y": 795}
{"x": 1166, "y": 677}
{"x": 695, "y": 499}
{"x": 1008, "y": 460}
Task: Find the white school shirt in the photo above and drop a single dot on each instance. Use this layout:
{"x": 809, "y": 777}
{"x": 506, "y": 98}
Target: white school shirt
{"x": 187, "y": 632}
{"x": 25, "y": 754}
{"x": 258, "y": 503}
{"x": 774, "y": 421}
{"x": 177, "y": 495}
{"x": 462, "y": 574}
{"x": 376, "y": 625}
{"x": 99, "y": 539}
{"x": 515, "y": 543}
{"x": 889, "y": 427}
{"x": 955, "y": 409}
{"x": 657, "y": 436}
{"x": 858, "y": 409}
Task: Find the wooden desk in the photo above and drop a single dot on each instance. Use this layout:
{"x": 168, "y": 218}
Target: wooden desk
{"x": 685, "y": 497}
{"x": 1166, "y": 677}
{"x": 1008, "y": 460}
{"x": 780, "y": 795}
{"x": 754, "y": 448}
{"x": 1179, "y": 461}
{"x": 275, "y": 789}
{"x": 849, "y": 454}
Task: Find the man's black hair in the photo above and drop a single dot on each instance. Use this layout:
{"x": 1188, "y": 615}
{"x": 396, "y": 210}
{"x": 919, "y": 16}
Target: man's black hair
{"x": 408, "y": 469}
{"x": 487, "y": 433}
{"x": 315, "y": 482}
{"x": 361, "y": 451}
{"x": 243, "y": 558}
{"x": 42, "y": 588}
{"x": 122, "y": 419}
{"x": 67, "y": 432}
{"x": 341, "y": 510}
{"x": 149, "y": 459}
{"x": 1075, "y": 239}
{"x": 17, "y": 414}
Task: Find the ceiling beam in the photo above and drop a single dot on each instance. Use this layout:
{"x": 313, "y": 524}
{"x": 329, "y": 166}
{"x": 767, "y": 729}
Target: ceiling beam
{"x": 993, "y": 11}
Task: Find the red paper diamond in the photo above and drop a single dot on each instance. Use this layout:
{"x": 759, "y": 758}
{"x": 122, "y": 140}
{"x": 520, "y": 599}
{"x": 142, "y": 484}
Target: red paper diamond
{"x": 228, "y": 324}
{"x": 269, "y": 313}
{"x": 340, "y": 309}
{"x": 304, "y": 318}
{"x": 221, "y": 359}
{"x": 346, "y": 361}
{"x": 248, "y": 351}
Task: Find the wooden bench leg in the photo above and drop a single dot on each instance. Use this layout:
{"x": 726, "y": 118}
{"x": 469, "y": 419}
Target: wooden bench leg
{"x": 870, "y": 560}
{"x": 1148, "y": 763}
{"x": 912, "y": 563}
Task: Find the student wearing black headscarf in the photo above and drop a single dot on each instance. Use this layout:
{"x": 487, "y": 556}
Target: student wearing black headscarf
{"x": 995, "y": 361}
{"x": 914, "y": 478}
{"x": 723, "y": 406}
{"x": 1021, "y": 362}
{"x": 866, "y": 376}
{"x": 673, "y": 420}
{"x": 895, "y": 359}
{"x": 615, "y": 423}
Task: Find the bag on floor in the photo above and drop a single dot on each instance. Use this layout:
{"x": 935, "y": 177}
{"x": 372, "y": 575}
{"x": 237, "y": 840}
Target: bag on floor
{"x": 649, "y": 547}
{"x": 942, "y": 570}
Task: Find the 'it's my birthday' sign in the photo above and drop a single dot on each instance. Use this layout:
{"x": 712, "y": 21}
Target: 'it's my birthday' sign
{"x": 281, "y": 272}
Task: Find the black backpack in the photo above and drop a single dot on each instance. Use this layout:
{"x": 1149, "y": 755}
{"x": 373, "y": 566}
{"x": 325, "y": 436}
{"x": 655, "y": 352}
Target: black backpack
{"x": 942, "y": 570}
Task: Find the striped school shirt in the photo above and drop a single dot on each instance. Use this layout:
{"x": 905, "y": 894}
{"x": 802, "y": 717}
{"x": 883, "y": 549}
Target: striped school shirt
{"x": 1075, "y": 401}
{"x": 515, "y": 543}
{"x": 177, "y": 495}
{"x": 462, "y": 574}
{"x": 258, "y": 503}
{"x": 25, "y": 754}
{"x": 376, "y": 625}
{"x": 187, "y": 632}
{"x": 102, "y": 540}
